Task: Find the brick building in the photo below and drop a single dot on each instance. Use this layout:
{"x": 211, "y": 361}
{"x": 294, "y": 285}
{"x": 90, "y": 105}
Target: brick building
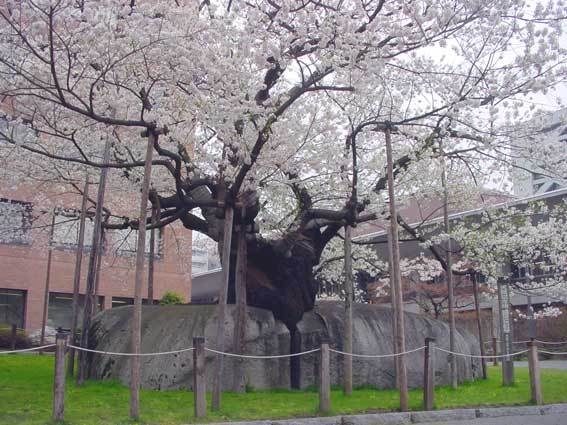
{"x": 25, "y": 240}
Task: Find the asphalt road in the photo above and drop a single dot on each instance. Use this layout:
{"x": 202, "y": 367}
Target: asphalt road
{"x": 560, "y": 419}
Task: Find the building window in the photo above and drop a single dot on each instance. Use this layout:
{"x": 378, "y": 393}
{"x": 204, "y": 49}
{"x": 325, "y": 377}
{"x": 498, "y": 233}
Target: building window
{"x": 122, "y": 301}
{"x": 125, "y": 241}
{"x": 66, "y": 230}
{"x": 60, "y": 310}
{"x": 13, "y": 307}
{"x": 15, "y": 222}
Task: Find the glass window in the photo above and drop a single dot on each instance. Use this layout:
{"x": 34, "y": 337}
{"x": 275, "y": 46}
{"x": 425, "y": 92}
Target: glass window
{"x": 12, "y": 307}
{"x": 14, "y": 221}
{"x": 121, "y": 301}
{"x": 66, "y": 230}
{"x": 125, "y": 241}
{"x": 60, "y": 311}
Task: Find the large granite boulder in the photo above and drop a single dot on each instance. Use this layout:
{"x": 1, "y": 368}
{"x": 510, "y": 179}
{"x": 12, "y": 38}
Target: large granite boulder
{"x": 168, "y": 328}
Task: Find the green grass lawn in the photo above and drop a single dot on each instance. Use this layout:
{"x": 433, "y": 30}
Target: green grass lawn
{"x": 26, "y": 391}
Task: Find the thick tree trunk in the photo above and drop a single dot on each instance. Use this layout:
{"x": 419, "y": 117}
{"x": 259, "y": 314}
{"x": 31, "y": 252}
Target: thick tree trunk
{"x": 279, "y": 278}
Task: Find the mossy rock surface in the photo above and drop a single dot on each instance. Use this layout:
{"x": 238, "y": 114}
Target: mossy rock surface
{"x": 168, "y": 328}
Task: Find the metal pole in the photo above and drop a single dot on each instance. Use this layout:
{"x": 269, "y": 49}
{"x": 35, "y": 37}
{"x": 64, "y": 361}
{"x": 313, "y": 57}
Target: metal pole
{"x": 506, "y": 343}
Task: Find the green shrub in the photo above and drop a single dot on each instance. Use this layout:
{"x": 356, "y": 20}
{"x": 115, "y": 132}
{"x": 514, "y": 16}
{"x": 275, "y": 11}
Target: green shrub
{"x": 171, "y": 298}
{"x": 22, "y": 341}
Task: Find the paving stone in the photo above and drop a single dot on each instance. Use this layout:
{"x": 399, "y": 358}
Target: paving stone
{"x": 552, "y": 409}
{"x": 495, "y": 412}
{"x": 378, "y": 419}
{"x": 443, "y": 415}
{"x": 326, "y": 420}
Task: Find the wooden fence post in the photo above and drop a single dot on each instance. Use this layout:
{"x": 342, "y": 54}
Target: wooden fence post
{"x": 324, "y": 379}
{"x": 495, "y": 351}
{"x": 59, "y": 377}
{"x": 199, "y": 377}
{"x": 535, "y": 382}
{"x": 429, "y": 374}
{"x": 13, "y": 336}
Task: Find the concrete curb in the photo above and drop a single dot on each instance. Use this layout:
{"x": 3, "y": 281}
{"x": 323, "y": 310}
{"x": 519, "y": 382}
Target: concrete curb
{"x": 442, "y": 415}
{"x": 406, "y": 418}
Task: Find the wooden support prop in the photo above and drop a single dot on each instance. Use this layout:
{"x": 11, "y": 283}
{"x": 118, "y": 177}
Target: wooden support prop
{"x": 395, "y": 279}
{"x": 77, "y": 278}
{"x": 324, "y": 379}
{"x": 199, "y": 377}
{"x": 223, "y": 295}
{"x": 535, "y": 380}
{"x": 348, "y": 325}
{"x": 429, "y": 374}
{"x": 138, "y": 281}
{"x": 239, "y": 384}
{"x": 59, "y": 378}
{"x": 479, "y": 326}
{"x": 47, "y": 283}
{"x": 495, "y": 351}
{"x": 13, "y": 336}
{"x": 88, "y": 305}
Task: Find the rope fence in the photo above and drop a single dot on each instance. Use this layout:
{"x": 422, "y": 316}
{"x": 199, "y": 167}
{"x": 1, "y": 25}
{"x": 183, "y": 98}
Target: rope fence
{"x": 281, "y": 356}
{"x": 111, "y": 353}
{"x": 247, "y": 356}
{"x": 199, "y": 367}
{"x": 474, "y": 356}
{"x": 23, "y": 350}
{"x": 529, "y": 340}
{"x": 376, "y": 356}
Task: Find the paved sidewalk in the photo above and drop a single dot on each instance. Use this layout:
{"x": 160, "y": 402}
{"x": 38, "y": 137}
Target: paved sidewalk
{"x": 551, "y": 414}
{"x": 560, "y": 419}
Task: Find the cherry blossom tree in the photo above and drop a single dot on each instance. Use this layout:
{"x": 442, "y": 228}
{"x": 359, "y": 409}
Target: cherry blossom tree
{"x": 259, "y": 105}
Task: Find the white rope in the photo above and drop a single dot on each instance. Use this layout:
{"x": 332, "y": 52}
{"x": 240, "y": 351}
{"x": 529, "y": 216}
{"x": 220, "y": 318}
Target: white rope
{"x": 376, "y": 356}
{"x": 551, "y": 342}
{"x": 535, "y": 340}
{"x": 27, "y": 349}
{"x": 244, "y": 356}
{"x": 552, "y": 352}
{"x": 110, "y": 353}
{"x": 481, "y": 357}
